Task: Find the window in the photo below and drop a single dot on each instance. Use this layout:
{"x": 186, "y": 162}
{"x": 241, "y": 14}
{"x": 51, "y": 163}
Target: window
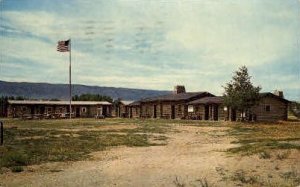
{"x": 190, "y": 108}
{"x": 24, "y": 108}
{"x": 179, "y": 109}
{"x": 49, "y": 110}
{"x": 268, "y": 108}
{"x": 83, "y": 109}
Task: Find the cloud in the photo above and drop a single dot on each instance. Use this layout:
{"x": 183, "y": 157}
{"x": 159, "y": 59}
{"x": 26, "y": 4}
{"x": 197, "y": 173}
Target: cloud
{"x": 152, "y": 44}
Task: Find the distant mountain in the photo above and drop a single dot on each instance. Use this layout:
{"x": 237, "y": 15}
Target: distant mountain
{"x": 61, "y": 91}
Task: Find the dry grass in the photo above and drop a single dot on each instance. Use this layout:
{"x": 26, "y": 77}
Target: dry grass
{"x": 261, "y": 138}
{"x": 57, "y": 142}
{"x": 35, "y": 142}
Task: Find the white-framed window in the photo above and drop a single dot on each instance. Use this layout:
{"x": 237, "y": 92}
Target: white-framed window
{"x": 190, "y": 108}
{"x": 83, "y": 109}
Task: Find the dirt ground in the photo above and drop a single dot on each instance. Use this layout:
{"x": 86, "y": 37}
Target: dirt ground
{"x": 192, "y": 156}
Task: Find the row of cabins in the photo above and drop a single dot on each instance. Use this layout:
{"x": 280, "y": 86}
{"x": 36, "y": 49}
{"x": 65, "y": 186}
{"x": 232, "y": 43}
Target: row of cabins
{"x": 206, "y": 106}
{"x": 177, "y": 105}
{"x": 29, "y": 109}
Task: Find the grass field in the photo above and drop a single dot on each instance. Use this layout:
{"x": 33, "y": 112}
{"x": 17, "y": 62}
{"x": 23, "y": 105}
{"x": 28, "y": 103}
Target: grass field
{"x": 34, "y": 142}
{"x": 38, "y": 142}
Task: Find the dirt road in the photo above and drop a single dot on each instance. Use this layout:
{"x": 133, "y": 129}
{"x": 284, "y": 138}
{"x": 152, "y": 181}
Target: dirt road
{"x": 193, "y": 155}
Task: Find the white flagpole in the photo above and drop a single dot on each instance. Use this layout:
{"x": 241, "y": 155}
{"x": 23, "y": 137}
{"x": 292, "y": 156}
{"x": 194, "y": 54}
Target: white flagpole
{"x": 70, "y": 82}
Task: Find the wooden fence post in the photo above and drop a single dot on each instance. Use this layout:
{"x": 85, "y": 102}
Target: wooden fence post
{"x": 1, "y": 132}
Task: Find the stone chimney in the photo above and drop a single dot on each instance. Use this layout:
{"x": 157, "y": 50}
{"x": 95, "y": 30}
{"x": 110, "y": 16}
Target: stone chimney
{"x": 179, "y": 89}
{"x": 278, "y": 93}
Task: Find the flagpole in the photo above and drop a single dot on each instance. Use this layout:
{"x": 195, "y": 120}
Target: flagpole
{"x": 70, "y": 82}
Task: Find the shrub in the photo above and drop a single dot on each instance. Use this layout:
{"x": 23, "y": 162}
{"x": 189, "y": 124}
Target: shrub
{"x": 17, "y": 169}
{"x": 241, "y": 176}
{"x": 14, "y": 159}
{"x": 203, "y": 182}
{"x": 264, "y": 155}
{"x": 178, "y": 183}
{"x": 284, "y": 155}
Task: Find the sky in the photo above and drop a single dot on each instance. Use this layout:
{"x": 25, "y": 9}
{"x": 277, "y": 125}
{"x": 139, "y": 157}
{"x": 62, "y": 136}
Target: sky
{"x": 153, "y": 44}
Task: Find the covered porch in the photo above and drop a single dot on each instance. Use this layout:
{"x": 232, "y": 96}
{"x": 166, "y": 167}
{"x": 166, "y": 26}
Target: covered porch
{"x": 207, "y": 108}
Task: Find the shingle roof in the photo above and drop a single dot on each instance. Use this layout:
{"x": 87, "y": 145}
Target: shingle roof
{"x": 40, "y": 102}
{"x": 219, "y": 99}
{"x": 176, "y": 97}
{"x": 266, "y": 94}
{"x": 208, "y": 100}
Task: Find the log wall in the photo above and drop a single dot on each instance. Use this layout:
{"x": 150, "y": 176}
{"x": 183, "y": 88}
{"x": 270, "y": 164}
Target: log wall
{"x": 278, "y": 110}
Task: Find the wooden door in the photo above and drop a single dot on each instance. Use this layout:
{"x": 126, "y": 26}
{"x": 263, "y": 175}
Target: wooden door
{"x": 206, "y": 112}
{"x": 154, "y": 111}
{"x": 172, "y": 112}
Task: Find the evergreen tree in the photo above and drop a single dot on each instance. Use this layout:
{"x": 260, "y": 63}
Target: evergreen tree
{"x": 240, "y": 94}
{"x": 91, "y": 97}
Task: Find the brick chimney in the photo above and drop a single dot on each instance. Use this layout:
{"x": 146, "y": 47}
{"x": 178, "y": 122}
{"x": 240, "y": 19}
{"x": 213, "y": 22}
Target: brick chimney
{"x": 179, "y": 89}
{"x": 278, "y": 93}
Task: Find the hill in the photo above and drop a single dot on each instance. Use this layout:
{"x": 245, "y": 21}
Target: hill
{"x": 61, "y": 91}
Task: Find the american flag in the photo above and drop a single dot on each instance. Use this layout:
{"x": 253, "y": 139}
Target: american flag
{"x": 63, "y": 46}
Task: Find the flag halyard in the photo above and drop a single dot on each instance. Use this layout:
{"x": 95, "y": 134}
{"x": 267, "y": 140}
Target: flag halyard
{"x": 63, "y": 46}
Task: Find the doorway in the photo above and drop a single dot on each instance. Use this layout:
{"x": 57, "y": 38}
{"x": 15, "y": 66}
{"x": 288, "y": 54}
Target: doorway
{"x": 216, "y": 113}
{"x": 172, "y": 112}
{"x": 154, "y": 111}
{"x": 32, "y": 110}
{"x": 206, "y": 112}
{"x": 104, "y": 110}
{"x": 77, "y": 112}
{"x": 130, "y": 112}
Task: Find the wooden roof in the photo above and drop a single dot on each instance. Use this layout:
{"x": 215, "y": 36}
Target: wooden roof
{"x": 219, "y": 99}
{"x": 41, "y": 102}
{"x": 208, "y": 100}
{"x": 269, "y": 94}
{"x": 177, "y": 97}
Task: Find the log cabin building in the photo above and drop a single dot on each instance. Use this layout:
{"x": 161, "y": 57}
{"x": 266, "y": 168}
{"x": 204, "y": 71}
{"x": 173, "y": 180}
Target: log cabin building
{"x": 122, "y": 109}
{"x": 206, "y": 106}
{"x": 57, "y": 109}
{"x": 178, "y": 105}
{"x": 135, "y": 109}
{"x": 271, "y": 107}
{"x": 171, "y": 106}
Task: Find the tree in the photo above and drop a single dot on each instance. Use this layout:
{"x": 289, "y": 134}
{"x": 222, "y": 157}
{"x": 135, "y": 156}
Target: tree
{"x": 92, "y": 97}
{"x": 3, "y": 106}
{"x": 240, "y": 94}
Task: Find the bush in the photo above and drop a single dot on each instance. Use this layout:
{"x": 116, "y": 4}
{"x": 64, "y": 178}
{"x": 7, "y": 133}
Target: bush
{"x": 264, "y": 155}
{"x": 284, "y": 155}
{"x": 17, "y": 169}
{"x": 14, "y": 159}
